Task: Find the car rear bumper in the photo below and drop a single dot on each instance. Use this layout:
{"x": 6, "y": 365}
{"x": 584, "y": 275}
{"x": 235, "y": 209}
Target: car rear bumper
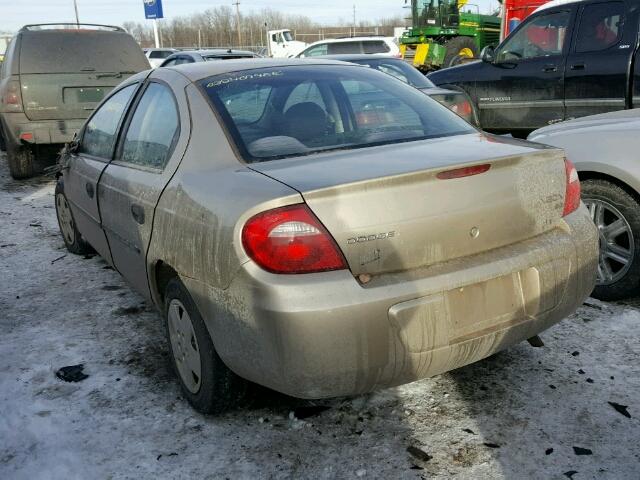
{"x": 325, "y": 335}
{"x": 43, "y": 132}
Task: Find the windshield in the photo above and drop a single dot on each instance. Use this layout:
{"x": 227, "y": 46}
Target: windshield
{"x": 287, "y": 36}
{"x": 398, "y": 69}
{"x": 299, "y": 110}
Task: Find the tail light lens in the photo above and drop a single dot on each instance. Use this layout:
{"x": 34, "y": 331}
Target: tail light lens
{"x": 459, "y": 104}
{"x": 291, "y": 240}
{"x": 572, "y": 193}
{"x": 12, "y": 99}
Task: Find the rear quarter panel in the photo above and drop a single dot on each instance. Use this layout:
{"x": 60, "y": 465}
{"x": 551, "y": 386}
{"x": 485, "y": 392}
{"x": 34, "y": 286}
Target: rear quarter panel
{"x": 196, "y": 223}
{"x": 610, "y": 149}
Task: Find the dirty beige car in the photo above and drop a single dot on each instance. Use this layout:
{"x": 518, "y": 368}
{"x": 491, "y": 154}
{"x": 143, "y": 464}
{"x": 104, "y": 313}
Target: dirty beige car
{"x": 321, "y": 228}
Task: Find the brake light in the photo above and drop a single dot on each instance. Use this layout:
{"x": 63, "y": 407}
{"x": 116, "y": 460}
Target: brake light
{"x": 572, "y": 192}
{"x": 291, "y": 240}
{"x": 464, "y": 109}
{"x": 463, "y": 172}
{"x": 13, "y": 98}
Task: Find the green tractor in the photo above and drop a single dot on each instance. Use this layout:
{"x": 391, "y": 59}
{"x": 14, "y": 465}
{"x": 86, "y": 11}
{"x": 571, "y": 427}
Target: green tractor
{"x": 443, "y": 35}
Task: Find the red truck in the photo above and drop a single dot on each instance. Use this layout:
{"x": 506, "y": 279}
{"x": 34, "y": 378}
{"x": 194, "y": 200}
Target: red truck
{"x": 515, "y": 11}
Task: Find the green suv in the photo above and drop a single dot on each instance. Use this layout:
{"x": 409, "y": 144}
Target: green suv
{"x": 53, "y": 76}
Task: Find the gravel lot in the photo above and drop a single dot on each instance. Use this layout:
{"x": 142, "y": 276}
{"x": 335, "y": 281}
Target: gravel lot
{"x": 525, "y": 413}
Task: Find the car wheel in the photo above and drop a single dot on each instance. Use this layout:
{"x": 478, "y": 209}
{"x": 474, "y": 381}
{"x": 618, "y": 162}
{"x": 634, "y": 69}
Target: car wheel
{"x": 207, "y": 383}
{"x": 460, "y": 49}
{"x": 20, "y": 161}
{"x": 72, "y": 238}
{"x": 616, "y": 213}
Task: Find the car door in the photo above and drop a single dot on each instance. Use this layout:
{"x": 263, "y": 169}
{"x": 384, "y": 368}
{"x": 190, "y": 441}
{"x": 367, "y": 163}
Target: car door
{"x": 85, "y": 165}
{"x": 523, "y": 88}
{"x": 596, "y": 76}
{"x": 153, "y": 140}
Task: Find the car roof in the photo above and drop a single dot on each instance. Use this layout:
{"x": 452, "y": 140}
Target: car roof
{"x": 348, "y": 57}
{"x": 353, "y": 39}
{"x": 200, "y": 70}
{"x": 217, "y": 51}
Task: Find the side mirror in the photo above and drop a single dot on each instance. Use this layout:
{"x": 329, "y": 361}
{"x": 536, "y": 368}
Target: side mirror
{"x": 488, "y": 54}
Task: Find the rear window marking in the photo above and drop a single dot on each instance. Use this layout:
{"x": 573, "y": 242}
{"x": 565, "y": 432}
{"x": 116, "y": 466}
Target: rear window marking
{"x": 242, "y": 78}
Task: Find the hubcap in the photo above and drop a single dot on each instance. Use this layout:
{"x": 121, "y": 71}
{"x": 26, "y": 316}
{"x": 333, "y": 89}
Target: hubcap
{"x": 65, "y": 220}
{"x": 184, "y": 345}
{"x": 616, "y": 241}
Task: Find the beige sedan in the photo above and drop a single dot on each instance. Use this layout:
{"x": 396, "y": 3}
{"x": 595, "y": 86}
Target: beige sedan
{"x": 321, "y": 228}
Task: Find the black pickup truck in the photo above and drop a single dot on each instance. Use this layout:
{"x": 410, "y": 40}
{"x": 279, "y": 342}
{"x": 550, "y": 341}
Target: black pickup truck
{"x": 565, "y": 61}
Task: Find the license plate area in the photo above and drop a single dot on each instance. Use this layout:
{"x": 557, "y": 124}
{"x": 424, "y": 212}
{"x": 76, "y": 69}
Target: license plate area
{"x": 83, "y": 94}
{"x": 486, "y": 305}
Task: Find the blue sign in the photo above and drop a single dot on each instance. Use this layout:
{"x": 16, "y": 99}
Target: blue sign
{"x": 153, "y": 9}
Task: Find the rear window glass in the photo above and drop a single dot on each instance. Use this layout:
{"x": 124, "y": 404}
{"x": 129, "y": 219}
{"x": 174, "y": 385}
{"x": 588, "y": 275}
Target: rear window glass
{"x": 375, "y": 47}
{"x": 300, "y": 110}
{"x": 80, "y": 51}
{"x": 160, "y": 53}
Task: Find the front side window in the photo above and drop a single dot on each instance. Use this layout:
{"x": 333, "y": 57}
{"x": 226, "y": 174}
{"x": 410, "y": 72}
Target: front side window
{"x": 600, "y": 27}
{"x": 315, "y": 51}
{"x": 543, "y": 36}
{"x": 99, "y": 136}
{"x": 310, "y": 109}
{"x": 287, "y": 36}
{"x": 153, "y": 129}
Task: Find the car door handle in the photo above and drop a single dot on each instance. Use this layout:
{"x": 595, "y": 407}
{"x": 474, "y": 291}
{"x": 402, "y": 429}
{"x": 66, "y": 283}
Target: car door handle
{"x": 550, "y": 68}
{"x": 137, "y": 212}
{"x": 90, "y": 190}
{"x": 578, "y": 66}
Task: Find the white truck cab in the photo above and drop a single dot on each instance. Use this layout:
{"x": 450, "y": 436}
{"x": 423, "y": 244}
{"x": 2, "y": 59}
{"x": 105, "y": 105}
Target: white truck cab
{"x": 283, "y": 45}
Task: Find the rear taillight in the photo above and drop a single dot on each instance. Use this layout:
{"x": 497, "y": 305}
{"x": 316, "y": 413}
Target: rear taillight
{"x": 291, "y": 240}
{"x": 463, "y": 109}
{"x": 12, "y": 98}
{"x": 572, "y": 192}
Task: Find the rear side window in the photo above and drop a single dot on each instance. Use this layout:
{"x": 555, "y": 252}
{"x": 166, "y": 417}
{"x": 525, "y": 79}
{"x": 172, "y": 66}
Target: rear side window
{"x": 153, "y": 129}
{"x": 345, "y": 48}
{"x": 79, "y": 51}
{"x": 375, "y": 47}
{"x": 100, "y": 133}
{"x": 600, "y": 27}
{"x": 310, "y": 109}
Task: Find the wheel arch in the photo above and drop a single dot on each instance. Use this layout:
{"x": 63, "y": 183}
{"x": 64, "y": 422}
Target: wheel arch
{"x": 160, "y": 276}
{"x": 594, "y": 175}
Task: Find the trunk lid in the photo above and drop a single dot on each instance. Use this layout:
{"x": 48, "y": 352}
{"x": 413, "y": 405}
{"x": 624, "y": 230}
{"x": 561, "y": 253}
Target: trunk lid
{"x": 388, "y": 210}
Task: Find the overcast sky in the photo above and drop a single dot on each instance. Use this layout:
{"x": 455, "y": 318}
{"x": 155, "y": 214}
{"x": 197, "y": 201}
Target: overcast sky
{"x": 15, "y": 13}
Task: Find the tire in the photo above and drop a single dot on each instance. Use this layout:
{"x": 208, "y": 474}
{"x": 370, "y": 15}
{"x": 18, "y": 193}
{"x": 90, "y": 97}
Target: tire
{"x": 214, "y": 388}
{"x": 20, "y": 159}
{"x": 455, "y": 46}
{"x": 72, "y": 237}
{"x": 609, "y": 203}
{"x": 3, "y": 143}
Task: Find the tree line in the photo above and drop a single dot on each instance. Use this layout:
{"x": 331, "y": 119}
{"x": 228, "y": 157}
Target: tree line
{"x": 218, "y": 27}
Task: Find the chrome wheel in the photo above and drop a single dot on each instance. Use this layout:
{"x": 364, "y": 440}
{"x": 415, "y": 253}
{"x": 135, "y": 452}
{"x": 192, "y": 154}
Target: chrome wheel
{"x": 616, "y": 241}
{"x": 65, "y": 220}
{"x": 184, "y": 345}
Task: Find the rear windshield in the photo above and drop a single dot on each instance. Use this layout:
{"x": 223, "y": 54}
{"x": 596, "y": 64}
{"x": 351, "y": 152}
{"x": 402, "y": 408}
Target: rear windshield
{"x": 160, "y": 53}
{"x": 80, "y": 51}
{"x": 230, "y": 56}
{"x": 298, "y": 110}
{"x": 399, "y": 69}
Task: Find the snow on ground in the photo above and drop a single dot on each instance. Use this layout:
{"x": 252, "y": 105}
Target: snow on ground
{"x": 518, "y": 414}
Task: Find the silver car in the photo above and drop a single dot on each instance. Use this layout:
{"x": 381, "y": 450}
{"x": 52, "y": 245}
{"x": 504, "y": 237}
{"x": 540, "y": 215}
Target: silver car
{"x": 604, "y": 148}
{"x": 321, "y": 228}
